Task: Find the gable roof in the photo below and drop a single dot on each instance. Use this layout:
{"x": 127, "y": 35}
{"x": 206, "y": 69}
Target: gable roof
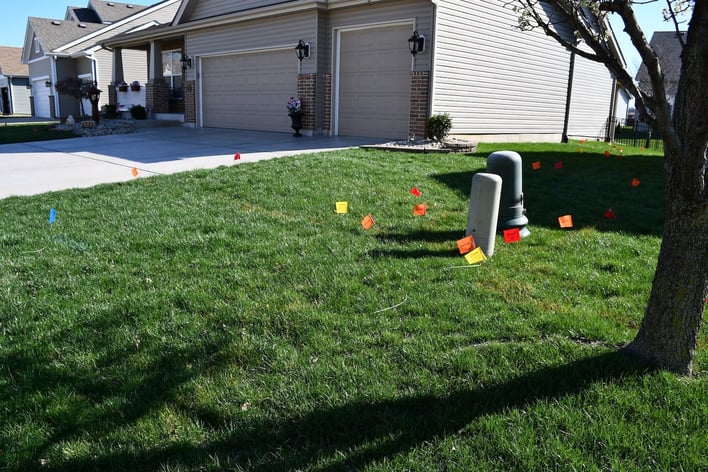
{"x": 110, "y": 12}
{"x": 668, "y": 49}
{"x": 11, "y": 62}
{"x": 53, "y": 34}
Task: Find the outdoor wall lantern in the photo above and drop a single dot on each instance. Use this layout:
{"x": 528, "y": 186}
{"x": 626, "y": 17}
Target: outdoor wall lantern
{"x": 48, "y": 83}
{"x": 416, "y": 43}
{"x": 302, "y": 50}
{"x": 186, "y": 62}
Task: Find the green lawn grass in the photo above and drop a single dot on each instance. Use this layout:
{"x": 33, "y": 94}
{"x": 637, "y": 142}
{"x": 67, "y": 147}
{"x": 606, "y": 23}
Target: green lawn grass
{"x": 231, "y": 320}
{"x": 24, "y": 132}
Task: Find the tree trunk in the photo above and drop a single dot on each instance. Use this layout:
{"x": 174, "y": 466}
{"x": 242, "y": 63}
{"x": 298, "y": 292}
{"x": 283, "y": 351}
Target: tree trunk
{"x": 672, "y": 321}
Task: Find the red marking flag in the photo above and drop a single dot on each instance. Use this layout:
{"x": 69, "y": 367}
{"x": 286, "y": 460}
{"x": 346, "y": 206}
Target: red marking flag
{"x": 419, "y": 210}
{"x": 609, "y": 214}
{"x": 565, "y": 221}
{"x": 558, "y": 165}
{"x": 511, "y": 235}
{"x": 237, "y": 156}
{"x": 367, "y": 222}
{"x": 415, "y": 192}
{"x": 607, "y": 154}
{"x": 466, "y": 244}
{"x": 635, "y": 182}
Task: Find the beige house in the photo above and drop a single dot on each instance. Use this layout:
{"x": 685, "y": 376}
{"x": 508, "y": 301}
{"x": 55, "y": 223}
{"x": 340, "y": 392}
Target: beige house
{"x": 234, "y": 65}
{"x": 14, "y": 83}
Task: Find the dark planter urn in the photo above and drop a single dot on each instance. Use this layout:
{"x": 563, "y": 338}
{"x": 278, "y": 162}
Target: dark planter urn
{"x": 135, "y": 88}
{"x": 122, "y": 88}
{"x": 296, "y": 118}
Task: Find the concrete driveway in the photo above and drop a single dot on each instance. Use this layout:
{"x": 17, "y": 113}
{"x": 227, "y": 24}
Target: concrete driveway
{"x": 43, "y": 166}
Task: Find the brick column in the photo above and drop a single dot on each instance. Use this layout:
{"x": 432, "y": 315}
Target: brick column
{"x": 190, "y": 105}
{"x": 306, "y": 84}
{"x": 112, "y": 95}
{"x": 157, "y": 96}
{"x": 420, "y": 98}
{"x": 327, "y": 103}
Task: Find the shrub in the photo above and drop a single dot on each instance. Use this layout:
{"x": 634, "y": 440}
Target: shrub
{"x": 110, "y": 111}
{"x": 138, "y": 112}
{"x": 437, "y": 127}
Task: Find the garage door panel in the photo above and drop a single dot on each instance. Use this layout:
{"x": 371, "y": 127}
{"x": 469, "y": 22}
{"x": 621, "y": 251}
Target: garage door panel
{"x": 40, "y": 93}
{"x": 374, "y": 83}
{"x": 249, "y": 91}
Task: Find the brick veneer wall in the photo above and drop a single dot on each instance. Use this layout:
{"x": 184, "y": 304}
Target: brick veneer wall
{"x": 306, "y": 90}
{"x": 420, "y": 98}
{"x": 190, "y": 105}
{"x": 157, "y": 96}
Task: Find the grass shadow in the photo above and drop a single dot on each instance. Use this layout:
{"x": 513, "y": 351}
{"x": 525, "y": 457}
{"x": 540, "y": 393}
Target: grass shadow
{"x": 586, "y": 185}
{"x": 373, "y": 431}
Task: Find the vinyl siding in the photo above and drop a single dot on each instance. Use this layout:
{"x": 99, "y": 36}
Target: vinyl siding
{"x": 198, "y": 10}
{"x": 494, "y": 79}
{"x": 590, "y": 100}
{"x": 271, "y": 33}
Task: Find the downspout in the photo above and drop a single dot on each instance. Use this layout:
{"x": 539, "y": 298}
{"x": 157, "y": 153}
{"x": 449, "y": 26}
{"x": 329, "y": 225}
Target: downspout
{"x": 611, "y": 120}
{"x": 569, "y": 93}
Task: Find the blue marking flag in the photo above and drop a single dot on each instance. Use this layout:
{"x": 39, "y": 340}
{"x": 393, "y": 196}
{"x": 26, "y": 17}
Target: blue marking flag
{"x": 52, "y": 215}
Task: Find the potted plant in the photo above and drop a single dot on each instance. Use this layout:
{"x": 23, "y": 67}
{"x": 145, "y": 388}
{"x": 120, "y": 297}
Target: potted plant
{"x": 122, "y": 86}
{"x": 135, "y": 86}
{"x": 295, "y": 113}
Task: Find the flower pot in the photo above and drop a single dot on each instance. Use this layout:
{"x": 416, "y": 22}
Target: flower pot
{"x": 296, "y": 118}
{"x": 122, "y": 88}
{"x": 135, "y": 88}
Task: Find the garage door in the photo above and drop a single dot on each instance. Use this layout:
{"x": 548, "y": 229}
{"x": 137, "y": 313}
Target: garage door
{"x": 374, "y": 82}
{"x": 40, "y": 92}
{"x": 249, "y": 91}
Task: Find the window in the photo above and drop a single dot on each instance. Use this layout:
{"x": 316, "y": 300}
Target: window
{"x": 36, "y": 44}
{"x": 172, "y": 72}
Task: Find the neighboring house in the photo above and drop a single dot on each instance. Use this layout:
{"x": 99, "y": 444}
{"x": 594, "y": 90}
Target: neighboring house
{"x": 14, "y": 83}
{"x": 58, "y": 49}
{"x": 667, "y": 47}
{"x": 238, "y": 69}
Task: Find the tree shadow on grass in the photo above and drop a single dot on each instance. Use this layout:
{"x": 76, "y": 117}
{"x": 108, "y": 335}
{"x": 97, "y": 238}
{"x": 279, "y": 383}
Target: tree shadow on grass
{"x": 358, "y": 434}
{"x": 585, "y": 186}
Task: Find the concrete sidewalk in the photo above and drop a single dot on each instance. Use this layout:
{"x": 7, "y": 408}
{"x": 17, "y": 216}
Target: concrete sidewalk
{"x": 43, "y": 166}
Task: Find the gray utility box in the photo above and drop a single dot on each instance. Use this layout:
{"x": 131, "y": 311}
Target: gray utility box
{"x": 512, "y": 214}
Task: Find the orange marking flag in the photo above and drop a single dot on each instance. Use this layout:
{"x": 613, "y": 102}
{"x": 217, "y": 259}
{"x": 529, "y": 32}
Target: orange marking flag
{"x": 415, "y": 192}
{"x": 635, "y": 182}
{"x": 565, "y": 221}
{"x": 536, "y": 165}
{"x": 134, "y": 171}
{"x": 466, "y": 244}
{"x": 342, "y": 207}
{"x": 419, "y": 210}
{"x": 367, "y": 222}
{"x": 511, "y": 235}
{"x": 476, "y": 256}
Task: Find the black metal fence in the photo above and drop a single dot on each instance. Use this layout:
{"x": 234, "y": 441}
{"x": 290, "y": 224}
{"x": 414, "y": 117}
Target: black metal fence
{"x": 631, "y": 132}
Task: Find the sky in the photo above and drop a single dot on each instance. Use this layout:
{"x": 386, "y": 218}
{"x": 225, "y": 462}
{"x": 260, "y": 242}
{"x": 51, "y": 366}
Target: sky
{"x": 13, "y": 22}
